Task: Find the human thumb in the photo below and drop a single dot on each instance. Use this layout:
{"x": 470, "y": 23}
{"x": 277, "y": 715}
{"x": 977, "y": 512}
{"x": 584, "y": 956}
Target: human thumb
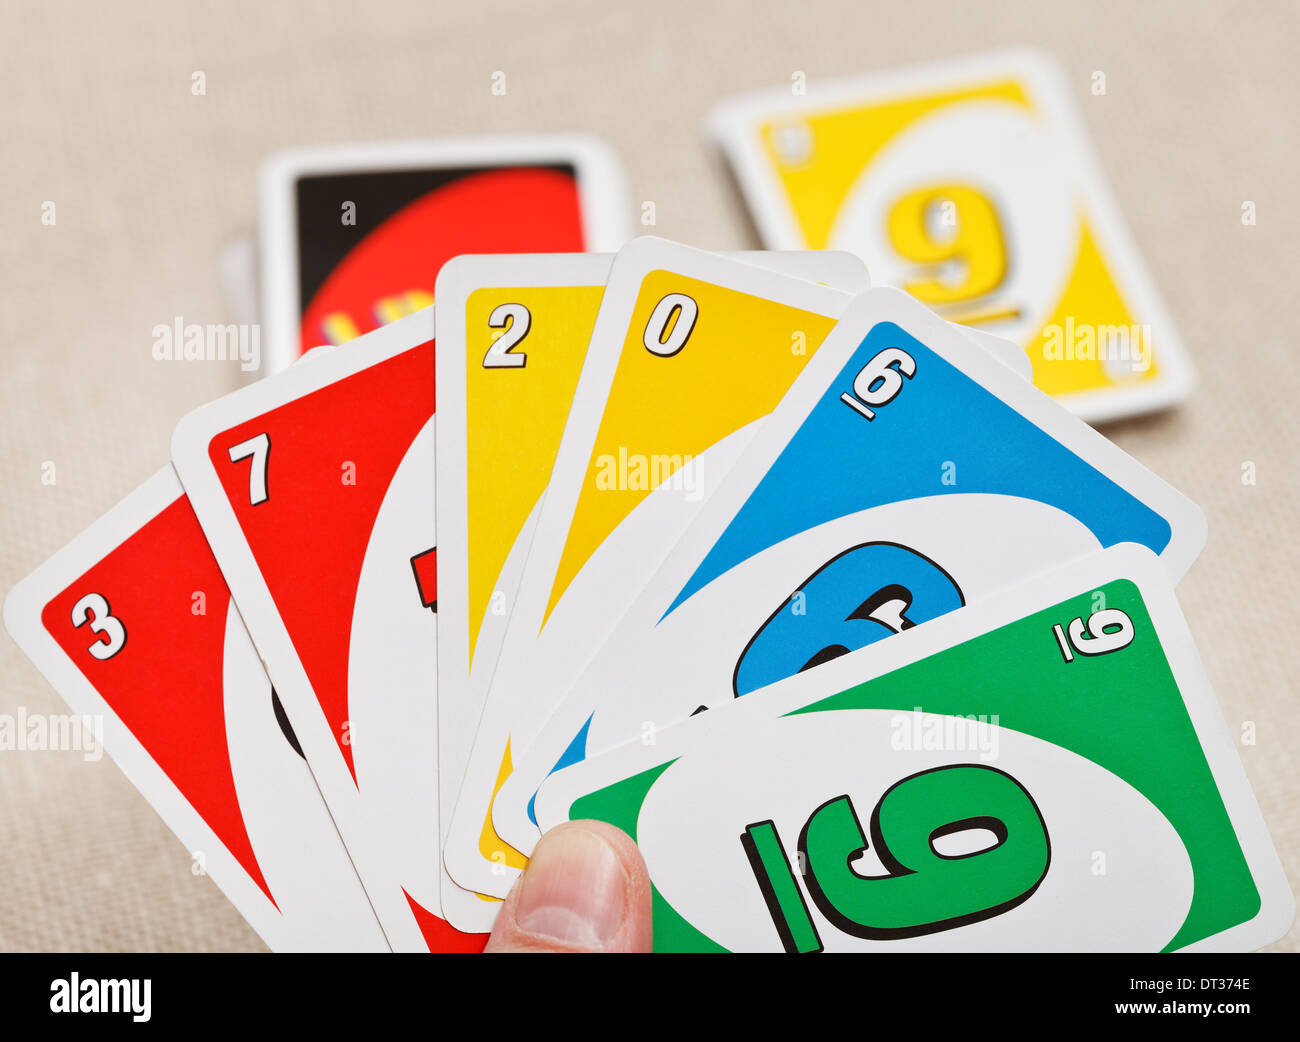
{"x": 585, "y": 889}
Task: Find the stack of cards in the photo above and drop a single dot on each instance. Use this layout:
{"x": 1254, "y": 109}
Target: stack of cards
{"x": 868, "y": 641}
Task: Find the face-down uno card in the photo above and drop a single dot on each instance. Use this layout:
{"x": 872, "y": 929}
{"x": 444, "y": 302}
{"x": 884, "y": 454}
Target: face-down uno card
{"x": 513, "y": 334}
{"x": 1048, "y": 771}
{"x": 901, "y": 478}
{"x": 970, "y": 185}
{"x": 134, "y": 627}
{"x": 647, "y": 439}
{"x": 316, "y": 491}
{"x": 352, "y": 237}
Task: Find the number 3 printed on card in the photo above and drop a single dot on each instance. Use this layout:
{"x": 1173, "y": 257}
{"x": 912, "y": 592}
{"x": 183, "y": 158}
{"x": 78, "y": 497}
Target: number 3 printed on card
{"x": 94, "y": 609}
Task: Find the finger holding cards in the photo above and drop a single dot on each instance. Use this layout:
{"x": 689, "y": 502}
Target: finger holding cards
{"x": 316, "y": 492}
{"x": 134, "y": 626}
{"x": 986, "y": 782}
{"x": 902, "y": 477}
{"x": 971, "y": 185}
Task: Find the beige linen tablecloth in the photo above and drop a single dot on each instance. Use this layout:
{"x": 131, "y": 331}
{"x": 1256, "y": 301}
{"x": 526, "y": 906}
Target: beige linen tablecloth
{"x": 151, "y": 181}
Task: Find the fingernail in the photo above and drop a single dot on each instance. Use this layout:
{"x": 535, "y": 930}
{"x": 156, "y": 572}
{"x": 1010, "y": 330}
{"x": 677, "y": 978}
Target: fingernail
{"x": 574, "y": 890}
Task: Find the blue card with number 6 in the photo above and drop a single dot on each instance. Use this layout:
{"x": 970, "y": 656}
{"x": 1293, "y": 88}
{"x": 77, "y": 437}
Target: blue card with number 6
{"x": 900, "y": 478}
{"x": 1046, "y": 771}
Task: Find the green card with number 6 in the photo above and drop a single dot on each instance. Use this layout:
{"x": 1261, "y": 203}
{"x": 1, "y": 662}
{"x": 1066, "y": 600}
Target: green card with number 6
{"x": 1047, "y": 770}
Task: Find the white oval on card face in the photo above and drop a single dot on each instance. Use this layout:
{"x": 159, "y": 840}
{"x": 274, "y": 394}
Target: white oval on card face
{"x": 1134, "y": 897}
{"x": 297, "y": 848}
{"x": 392, "y": 671}
{"x": 1001, "y": 158}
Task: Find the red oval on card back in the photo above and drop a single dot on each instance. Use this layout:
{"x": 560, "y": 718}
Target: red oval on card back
{"x": 392, "y": 270}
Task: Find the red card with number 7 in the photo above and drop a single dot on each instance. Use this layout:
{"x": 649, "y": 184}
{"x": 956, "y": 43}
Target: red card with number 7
{"x": 316, "y": 491}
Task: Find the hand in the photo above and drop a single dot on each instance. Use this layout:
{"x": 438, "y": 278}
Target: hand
{"x": 585, "y": 889}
